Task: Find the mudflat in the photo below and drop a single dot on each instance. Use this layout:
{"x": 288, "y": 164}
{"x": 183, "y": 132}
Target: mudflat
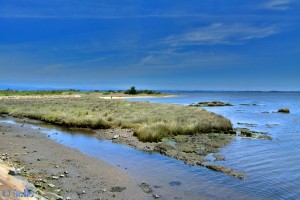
{"x": 55, "y": 169}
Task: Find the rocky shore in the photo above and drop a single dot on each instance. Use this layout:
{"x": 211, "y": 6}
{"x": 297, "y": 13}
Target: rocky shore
{"x": 59, "y": 172}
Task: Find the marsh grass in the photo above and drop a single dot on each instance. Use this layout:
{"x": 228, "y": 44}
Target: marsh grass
{"x": 150, "y": 121}
{"x": 9, "y": 92}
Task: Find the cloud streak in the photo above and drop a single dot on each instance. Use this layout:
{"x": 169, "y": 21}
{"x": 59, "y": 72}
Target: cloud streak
{"x": 219, "y": 33}
{"x": 279, "y": 4}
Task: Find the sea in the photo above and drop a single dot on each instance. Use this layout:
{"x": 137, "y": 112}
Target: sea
{"x": 272, "y": 167}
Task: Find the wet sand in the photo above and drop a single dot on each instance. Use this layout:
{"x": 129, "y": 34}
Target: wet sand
{"x": 76, "y": 176}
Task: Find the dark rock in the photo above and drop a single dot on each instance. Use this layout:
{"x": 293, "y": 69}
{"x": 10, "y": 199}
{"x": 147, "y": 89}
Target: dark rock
{"x": 210, "y": 104}
{"x": 175, "y": 183}
{"x": 146, "y": 188}
{"x": 117, "y": 189}
{"x": 283, "y": 110}
{"x": 13, "y": 173}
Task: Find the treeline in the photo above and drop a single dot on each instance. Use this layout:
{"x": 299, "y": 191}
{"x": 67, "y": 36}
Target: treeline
{"x": 131, "y": 91}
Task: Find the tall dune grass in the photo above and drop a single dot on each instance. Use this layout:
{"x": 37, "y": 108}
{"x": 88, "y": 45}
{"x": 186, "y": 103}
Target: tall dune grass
{"x": 150, "y": 121}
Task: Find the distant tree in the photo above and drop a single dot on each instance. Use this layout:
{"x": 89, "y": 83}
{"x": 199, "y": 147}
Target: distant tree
{"x": 132, "y": 90}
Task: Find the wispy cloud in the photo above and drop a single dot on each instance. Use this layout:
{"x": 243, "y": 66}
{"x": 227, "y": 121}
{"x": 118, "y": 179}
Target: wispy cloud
{"x": 279, "y": 4}
{"x": 219, "y": 33}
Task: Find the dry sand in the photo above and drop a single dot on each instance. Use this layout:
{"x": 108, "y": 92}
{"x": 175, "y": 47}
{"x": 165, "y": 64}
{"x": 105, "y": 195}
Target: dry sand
{"x": 79, "y": 176}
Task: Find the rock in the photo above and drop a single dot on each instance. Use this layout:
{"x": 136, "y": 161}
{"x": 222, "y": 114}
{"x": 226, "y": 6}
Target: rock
{"x": 283, "y": 110}
{"x": 38, "y": 185}
{"x": 116, "y": 137}
{"x": 83, "y": 192}
{"x": 156, "y": 196}
{"x": 68, "y": 198}
{"x": 51, "y": 185}
{"x": 210, "y": 104}
{"x": 146, "y": 188}
{"x": 117, "y": 189}
{"x": 66, "y": 172}
{"x": 219, "y": 157}
{"x": 265, "y": 137}
{"x": 1, "y": 184}
{"x": 175, "y": 183}
{"x": 55, "y": 177}
{"x": 31, "y": 187}
{"x": 61, "y": 176}
{"x": 226, "y": 170}
{"x": 13, "y": 173}
{"x": 51, "y": 195}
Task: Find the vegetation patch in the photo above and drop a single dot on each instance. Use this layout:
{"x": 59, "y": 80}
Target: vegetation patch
{"x": 151, "y": 122}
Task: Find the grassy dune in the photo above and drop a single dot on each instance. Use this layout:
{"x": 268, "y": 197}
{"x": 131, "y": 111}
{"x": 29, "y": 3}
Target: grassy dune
{"x": 150, "y": 121}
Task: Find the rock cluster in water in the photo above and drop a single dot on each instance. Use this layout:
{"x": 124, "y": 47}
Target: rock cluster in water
{"x": 284, "y": 110}
{"x": 210, "y": 104}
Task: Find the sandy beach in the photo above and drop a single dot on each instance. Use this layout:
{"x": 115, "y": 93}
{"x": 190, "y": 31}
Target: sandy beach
{"x": 58, "y": 171}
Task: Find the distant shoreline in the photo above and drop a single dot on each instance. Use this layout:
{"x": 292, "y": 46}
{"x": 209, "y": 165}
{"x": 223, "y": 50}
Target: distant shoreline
{"x": 136, "y": 97}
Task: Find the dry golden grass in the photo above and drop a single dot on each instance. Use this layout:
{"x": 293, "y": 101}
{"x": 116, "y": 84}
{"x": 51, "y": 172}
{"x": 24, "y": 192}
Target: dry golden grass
{"x": 150, "y": 121}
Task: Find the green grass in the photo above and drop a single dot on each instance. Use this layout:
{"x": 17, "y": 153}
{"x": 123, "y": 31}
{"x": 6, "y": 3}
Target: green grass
{"x": 150, "y": 121}
{"x": 9, "y": 92}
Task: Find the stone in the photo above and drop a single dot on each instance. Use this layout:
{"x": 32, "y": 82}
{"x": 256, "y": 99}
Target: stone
{"x": 146, "y": 188}
{"x": 51, "y": 185}
{"x": 51, "y": 195}
{"x": 13, "y": 173}
{"x": 116, "y": 136}
{"x": 117, "y": 189}
{"x": 55, "y": 177}
{"x": 156, "y": 196}
{"x": 283, "y": 110}
{"x": 31, "y": 187}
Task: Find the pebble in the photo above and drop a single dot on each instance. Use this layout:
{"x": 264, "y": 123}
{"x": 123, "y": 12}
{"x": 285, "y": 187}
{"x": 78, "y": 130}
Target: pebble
{"x": 66, "y": 172}
{"x": 61, "y": 176}
{"x": 13, "y": 173}
{"x": 54, "y": 177}
{"x": 51, "y": 185}
{"x": 116, "y": 136}
{"x": 156, "y": 196}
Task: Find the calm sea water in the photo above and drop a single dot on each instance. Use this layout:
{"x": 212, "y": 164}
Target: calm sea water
{"x": 272, "y": 167}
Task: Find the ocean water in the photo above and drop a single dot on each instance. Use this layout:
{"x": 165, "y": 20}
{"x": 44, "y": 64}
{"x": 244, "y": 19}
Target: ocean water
{"x": 272, "y": 168}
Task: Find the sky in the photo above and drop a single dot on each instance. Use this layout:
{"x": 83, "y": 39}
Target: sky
{"x": 151, "y": 44}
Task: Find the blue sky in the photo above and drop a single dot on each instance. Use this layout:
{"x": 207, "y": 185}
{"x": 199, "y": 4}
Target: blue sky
{"x": 157, "y": 44}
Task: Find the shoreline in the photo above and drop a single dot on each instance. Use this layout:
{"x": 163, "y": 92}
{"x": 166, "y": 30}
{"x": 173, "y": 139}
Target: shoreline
{"x": 46, "y": 163}
{"x": 184, "y": 148}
